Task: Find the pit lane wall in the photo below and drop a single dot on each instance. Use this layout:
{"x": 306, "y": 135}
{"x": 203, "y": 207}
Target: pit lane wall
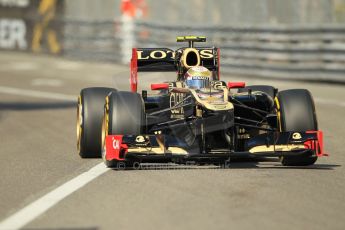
{"x": 300, "y": 39}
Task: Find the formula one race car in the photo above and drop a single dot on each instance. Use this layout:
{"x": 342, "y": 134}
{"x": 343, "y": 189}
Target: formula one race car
{"x": 198, "y": 118}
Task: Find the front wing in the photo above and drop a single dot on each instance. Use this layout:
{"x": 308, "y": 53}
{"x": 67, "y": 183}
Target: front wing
{"x": 161, "y": 148}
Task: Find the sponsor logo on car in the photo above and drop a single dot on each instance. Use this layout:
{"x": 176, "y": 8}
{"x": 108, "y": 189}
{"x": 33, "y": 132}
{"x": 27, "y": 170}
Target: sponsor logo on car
{"x": 296, "y": 136}
{"x": 162, "y": 54}
{"x": 140, "y": 139}
{"x": 116, "y": 144}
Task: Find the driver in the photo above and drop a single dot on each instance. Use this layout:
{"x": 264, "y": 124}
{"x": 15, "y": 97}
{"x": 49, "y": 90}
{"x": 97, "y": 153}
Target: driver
{"x": 198, "y": 77}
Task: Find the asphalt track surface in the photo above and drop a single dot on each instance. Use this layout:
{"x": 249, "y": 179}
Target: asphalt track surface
{"x": 38, "y": 156}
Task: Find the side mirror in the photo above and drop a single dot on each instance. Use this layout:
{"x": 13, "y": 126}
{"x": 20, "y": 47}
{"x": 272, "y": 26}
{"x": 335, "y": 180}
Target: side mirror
{"x": 159, "y": 86}
{"x": 236, "y": 85}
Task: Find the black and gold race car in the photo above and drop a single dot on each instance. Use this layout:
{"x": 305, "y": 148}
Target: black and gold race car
{"x": 198, "y": 118}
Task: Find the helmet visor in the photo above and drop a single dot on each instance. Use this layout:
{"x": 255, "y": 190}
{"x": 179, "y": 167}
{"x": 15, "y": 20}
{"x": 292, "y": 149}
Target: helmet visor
{"x": 198, "y": 82}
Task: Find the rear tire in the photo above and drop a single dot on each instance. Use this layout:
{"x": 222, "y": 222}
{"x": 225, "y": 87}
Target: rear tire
{"x": 89, "y": 120}
{"x": 297, "y": 113}
{"x": 269, "y": 90}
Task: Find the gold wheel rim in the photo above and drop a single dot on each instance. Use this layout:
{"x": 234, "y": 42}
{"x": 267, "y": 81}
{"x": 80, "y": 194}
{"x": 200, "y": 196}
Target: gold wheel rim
{"x": 79, "y": 122}
{"x": 105, "y": 126}
{"x": 278, "y": 113}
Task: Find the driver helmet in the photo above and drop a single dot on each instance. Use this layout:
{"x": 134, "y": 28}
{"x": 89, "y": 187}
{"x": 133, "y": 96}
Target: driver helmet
{"x": 198, "y": 77}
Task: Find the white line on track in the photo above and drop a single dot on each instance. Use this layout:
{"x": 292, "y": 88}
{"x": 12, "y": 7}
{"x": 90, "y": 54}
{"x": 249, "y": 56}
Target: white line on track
{"x": 38, "y": 207}
{"x": 38, "y": 94}
{"x": 46, "y": 82}
{"x": 21, "y": 66}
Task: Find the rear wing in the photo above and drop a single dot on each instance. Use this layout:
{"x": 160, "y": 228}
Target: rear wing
{"x": 168, "y": 60}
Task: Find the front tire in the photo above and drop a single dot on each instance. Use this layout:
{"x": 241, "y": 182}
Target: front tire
{"x": 124, "y": 114}
{"x": 89, "y": 120}
{"x": 296, "y": 111}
